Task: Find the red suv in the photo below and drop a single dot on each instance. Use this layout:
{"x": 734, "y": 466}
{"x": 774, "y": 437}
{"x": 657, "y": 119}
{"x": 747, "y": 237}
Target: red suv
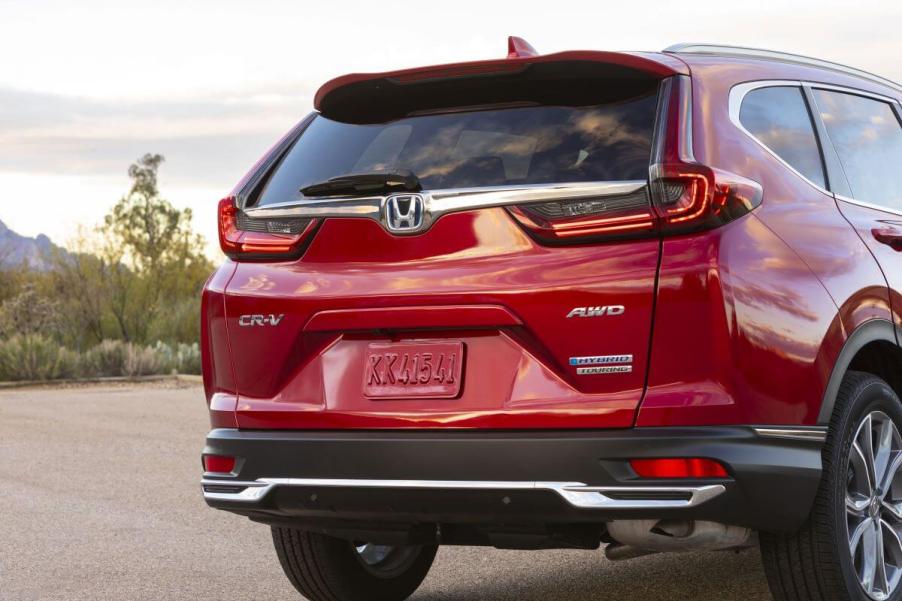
{"x": 644, "y": 300}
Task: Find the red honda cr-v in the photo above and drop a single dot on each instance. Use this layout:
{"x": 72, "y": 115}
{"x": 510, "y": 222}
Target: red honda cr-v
{"x": 645, "y": 300}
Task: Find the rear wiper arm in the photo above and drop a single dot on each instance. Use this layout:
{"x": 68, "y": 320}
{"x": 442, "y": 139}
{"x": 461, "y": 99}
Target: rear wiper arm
{"x": 362, "y": 184}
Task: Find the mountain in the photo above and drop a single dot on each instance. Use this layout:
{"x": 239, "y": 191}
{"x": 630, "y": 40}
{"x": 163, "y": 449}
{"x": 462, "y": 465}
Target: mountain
{"x": 17, "y": 250}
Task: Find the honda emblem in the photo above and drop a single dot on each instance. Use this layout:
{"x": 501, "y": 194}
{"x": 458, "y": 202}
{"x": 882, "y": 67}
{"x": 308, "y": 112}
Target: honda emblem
{"x": 404, "y": 213}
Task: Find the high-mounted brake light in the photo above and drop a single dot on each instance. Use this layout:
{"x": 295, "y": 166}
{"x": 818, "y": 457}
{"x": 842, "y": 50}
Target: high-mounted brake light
{"x": 245, "y": 238}
{"x": 690, "y": 468}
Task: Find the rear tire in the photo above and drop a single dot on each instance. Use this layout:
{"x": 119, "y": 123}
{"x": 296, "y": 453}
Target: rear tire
{"x": 323, "y": 568}
{"x": 823, "y": 561}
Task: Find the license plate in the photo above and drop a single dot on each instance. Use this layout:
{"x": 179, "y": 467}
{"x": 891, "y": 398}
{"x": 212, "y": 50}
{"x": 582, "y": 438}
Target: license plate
{"x": 413, "y": 370}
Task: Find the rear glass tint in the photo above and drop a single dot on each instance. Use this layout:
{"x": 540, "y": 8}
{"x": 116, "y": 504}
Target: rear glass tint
{"x": 505, "y": 146}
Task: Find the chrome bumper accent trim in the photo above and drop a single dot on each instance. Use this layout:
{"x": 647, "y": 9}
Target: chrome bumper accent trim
{"x": 577, "y": 494}
{"x": 818, "y": 434}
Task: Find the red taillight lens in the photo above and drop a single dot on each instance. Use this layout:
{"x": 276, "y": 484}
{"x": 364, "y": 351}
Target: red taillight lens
{"x": 219, "y": 464}
{"x": 678, "y": 468}
{"x": 245, "y": 238}
{"x": 584, "y": 218}
{"x": 686, "y": 195}
{"x": 690, "y": 197}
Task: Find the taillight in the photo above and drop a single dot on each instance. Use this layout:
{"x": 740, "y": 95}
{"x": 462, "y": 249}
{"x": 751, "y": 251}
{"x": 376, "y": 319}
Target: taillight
{"x": 583, "y": 218}
{"x": 686, "y": 195}
{"x": 689, "y": 468}
{"x": 245, "y": 238}
{"x": 682, "y": 196}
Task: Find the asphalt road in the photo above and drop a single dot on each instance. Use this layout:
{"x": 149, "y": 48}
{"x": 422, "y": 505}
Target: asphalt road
{"x": 99, "y": 499}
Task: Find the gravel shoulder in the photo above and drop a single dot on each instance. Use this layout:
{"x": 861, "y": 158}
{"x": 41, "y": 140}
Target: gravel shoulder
{"x": 99, "y": 499}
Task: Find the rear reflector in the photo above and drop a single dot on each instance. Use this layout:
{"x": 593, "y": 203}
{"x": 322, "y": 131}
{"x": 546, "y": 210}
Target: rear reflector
{"x": 244, "y": 238}
{"x": 219, "y": 464}
{"x": 678, "y": 468}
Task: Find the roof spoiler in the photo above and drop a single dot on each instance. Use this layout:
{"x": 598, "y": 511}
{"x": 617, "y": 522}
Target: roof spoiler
{"x": 337, "y": 95}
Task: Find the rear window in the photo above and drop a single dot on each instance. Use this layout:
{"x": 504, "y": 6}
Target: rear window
{"x": 477, "y": 148}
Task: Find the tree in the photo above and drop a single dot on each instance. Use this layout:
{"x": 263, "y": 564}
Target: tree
{"x": 143, "y": 270}
{"x": 79, "y": 280}
{"x": 152, "y": 255}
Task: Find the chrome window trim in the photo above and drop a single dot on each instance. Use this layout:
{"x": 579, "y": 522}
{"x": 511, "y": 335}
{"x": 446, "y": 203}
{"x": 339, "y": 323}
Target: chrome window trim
{"x": 577, "y": 494}
{"x": 869, "y": 205}
{"x": 847, "y": 90}
{"x": 738, "y": 94}
{"x": 442, "y": 202}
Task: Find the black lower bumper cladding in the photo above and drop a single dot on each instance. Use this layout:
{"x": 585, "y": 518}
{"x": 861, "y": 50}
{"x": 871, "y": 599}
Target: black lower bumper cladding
{"x": 406, "y": 479}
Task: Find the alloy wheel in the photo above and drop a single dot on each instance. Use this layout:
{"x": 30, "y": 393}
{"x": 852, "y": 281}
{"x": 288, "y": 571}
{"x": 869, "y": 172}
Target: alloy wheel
{"x": 874, "y": 505}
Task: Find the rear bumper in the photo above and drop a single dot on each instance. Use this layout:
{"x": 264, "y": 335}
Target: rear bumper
{"x": 401, "y": 479}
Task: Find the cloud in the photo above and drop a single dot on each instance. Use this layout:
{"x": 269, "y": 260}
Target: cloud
{"x": 207, "y": 140}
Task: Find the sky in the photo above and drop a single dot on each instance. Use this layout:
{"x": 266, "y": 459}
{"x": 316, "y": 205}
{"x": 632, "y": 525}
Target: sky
{"x": 88, "y": 87}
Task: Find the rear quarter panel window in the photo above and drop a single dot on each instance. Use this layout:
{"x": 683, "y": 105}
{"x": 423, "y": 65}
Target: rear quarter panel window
{"x": 778, "y": 117}
{"x": 867, "y": 136}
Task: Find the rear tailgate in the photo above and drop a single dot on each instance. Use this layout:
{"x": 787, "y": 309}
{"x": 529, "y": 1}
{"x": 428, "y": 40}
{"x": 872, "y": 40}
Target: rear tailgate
{"x": 529, "y": 316}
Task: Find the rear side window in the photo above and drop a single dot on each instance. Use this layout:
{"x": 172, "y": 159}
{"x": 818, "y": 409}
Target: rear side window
{"x": 778, "y": 117}
{"x": 478, "y": 148}
{"x": 868, "y": 139}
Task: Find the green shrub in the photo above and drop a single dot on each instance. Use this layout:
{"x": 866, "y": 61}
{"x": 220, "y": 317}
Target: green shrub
{"x": 38, "y": 357}
{"x": 30, "y": 357}
{"x": 70, "y": 365}
{"x": 180, "y": 358}
{"x": 188, "y": 359}
{"x": 142, "y": 361}
{"x": 107, "y": 359}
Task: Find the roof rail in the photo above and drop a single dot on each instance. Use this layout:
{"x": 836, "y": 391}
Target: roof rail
{"x": 721, "y": 50}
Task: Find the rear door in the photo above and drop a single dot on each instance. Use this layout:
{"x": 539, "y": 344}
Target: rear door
{"x": 866, "y": 133}
{"x": 514, "y": 289}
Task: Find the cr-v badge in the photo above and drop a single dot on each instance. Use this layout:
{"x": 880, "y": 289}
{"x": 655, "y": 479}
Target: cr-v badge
{"x": 247, "y": 321}
{"x": 597, "y": 311}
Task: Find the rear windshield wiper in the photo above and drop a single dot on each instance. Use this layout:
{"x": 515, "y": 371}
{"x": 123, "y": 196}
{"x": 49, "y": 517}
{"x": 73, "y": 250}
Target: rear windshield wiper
{"x": 362, "y": 184}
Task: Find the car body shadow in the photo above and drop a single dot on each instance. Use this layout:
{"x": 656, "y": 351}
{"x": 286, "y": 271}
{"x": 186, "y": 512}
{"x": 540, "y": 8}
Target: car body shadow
{"x": 465, "y": 574}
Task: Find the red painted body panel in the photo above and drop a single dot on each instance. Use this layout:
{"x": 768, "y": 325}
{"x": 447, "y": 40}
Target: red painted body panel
{"x": 866, "y": 220}
{"x": 517, "y": 373}
{"x": 771, "y": 300}
{"x": 216, "y": 355}
{"x": 749, "y": 318}
{"x": 740, "y": 332}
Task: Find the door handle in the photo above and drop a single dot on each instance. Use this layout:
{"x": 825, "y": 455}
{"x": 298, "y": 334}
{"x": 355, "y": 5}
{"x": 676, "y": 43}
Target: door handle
{"x": 889, "y": 236}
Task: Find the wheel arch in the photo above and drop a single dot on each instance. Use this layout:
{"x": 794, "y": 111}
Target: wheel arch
{"x": 872, "y": 348}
